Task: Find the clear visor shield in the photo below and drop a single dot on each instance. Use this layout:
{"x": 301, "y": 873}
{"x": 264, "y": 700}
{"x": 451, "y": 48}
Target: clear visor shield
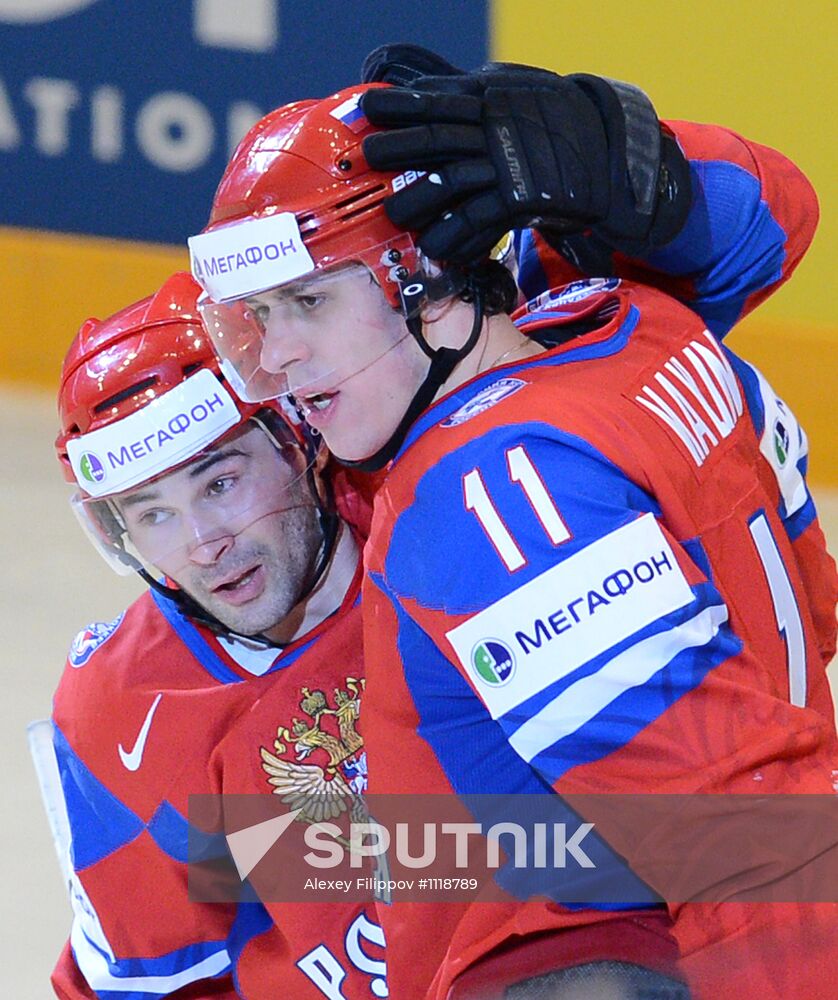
{"x": 237, "y": 330}
{"x": 210, "y": 521}
{"x": 288, "y": 340}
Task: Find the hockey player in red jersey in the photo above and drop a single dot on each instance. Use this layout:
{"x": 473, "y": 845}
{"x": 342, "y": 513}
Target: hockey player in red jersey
{"x": 185, "y": 691}
{"x": 533, "y": 464}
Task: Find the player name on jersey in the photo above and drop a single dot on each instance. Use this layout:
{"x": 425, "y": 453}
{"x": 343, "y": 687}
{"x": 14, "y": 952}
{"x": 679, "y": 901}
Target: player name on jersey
{"x": 704, "y": 371}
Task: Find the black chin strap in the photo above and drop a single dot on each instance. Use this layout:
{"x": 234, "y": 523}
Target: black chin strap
{"x": 443, "y": 362}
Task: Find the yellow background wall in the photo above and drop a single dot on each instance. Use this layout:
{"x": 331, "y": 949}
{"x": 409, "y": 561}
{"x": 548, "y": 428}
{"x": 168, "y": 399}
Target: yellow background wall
{"x": 49, "y": 284}
{"x": 762, "y": 67}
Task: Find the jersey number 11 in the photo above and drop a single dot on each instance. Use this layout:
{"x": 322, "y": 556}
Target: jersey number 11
{"x": 521, "y": 471}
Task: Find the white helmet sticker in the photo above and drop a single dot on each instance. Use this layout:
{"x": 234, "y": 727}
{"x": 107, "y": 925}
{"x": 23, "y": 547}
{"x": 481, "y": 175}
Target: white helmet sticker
{"x": 248, "y": 257}
{"x": 171, "y": 429}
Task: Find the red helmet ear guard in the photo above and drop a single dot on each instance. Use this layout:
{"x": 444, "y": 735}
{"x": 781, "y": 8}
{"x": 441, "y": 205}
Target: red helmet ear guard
{"x": 306, "y": 159}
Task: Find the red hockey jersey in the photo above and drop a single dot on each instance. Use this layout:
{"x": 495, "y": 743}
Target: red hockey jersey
{"x": 600, "y": 570}
{"x": 150, "y": 710}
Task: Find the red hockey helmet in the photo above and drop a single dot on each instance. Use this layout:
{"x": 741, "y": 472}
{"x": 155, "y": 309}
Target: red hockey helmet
{"x": 297, "y": 198}
{"x": 141, "y": 394}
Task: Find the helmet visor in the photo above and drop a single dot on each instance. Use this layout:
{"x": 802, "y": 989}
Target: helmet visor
{"x": 256, "y": 337}
{"x": 237, "y": 331}
{"x": 193, "y": 520}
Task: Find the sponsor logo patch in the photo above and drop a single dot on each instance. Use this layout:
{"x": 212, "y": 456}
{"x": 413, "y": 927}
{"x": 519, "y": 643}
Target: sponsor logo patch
{"x": 91, "y": 468}
{"x": 576, "y": 291}
{"x": 783, "y": 445}
{"x": 493, "y": 662}
{"x": 171, "y": 429}
{"x": 484, "y": 399}
{"x": 570, "y": 614}
{"x": 90, "y": 639}
{"x": 247, "y": 257}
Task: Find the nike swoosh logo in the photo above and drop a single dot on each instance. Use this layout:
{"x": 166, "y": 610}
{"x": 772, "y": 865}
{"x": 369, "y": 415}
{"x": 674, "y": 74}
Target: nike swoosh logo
{"x": 133, "y": 759}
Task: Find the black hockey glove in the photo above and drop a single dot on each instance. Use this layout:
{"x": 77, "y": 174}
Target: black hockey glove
{"x": 512, "y": 146}
{"x": 401, "y": 64}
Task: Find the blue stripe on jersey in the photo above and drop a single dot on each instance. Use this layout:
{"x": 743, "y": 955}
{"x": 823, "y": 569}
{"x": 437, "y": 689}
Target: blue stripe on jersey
{"x": 174, "y": 961}
{"x": 731, "y": 243}
{"x": 594, "y": 718}
{"x": 798, "y": 522}
{"x": 170, "y": 831}
{"x": 801, "y": 519}
{"x": 477, "y": 759}
{"x": 585, "y": 352}
{"x": 538, "y": 316}
{"x": 194, "y": 641}
{"x": 252, "y": 919}
{"x": 191, "y": 637}
{"x": 290, "y": 656}
{"x": 750, "y": 386}
{"x": 174, "y": 836}
{"x": 592, "y": 495}
{"x": 149, "y": 978}
{"x": 532, "y": 279}
{"x": 99, "y": 822}
{"x": 694, "y": 548}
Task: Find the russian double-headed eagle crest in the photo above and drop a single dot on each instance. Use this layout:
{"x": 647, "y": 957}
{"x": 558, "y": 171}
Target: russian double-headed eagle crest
{"x": 328, "y": 735}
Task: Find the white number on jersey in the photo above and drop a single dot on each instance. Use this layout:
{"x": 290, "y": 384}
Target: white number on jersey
{"x": 785, "y": 607}
{"x": 522, "y": 471}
